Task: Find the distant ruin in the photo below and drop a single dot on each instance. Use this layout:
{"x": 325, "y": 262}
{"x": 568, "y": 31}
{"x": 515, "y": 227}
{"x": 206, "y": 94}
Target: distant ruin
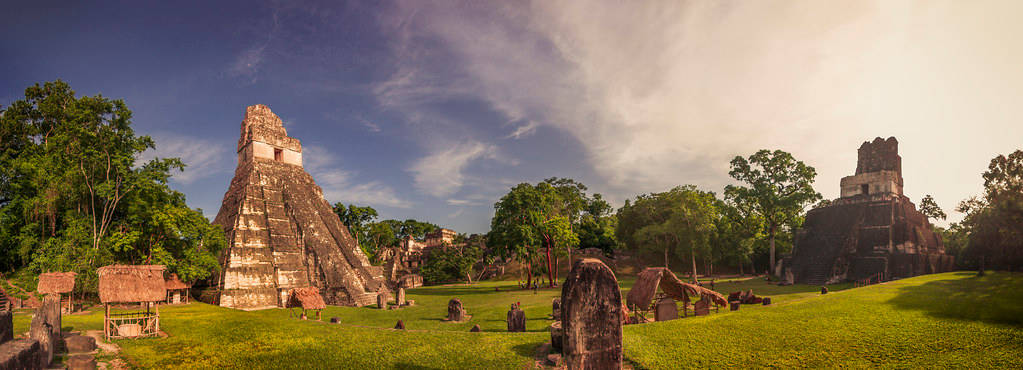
{"x": 282, "y": 233}
{"x": 871, "y": 230}
{"x": 402, "y": 262}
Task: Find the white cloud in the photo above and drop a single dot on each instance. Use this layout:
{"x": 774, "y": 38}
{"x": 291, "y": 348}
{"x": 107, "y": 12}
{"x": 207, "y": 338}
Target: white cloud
{"x": 341, "y": 186}
{"x": 369, "y": 125}
{"x": 441, "y": 173}
{"x": 665, "y": 93}
{"x": 525, "y": 130}
{"x": 202, "y": 157}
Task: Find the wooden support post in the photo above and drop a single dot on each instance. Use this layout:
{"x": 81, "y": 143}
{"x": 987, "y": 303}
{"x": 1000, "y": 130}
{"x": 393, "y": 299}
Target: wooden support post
{"x": 106, "y": 322}
{"x": 157, "y": 318}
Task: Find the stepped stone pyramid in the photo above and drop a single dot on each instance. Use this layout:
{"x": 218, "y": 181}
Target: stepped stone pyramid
{"x": 282, "y": 233}
{"x": 872, "y": 229}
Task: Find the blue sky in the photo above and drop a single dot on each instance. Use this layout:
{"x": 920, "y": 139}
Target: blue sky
{"x": 432, "y": 110}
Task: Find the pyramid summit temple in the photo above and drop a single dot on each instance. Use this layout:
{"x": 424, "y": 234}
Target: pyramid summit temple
{"x": 282, "y": 234}
{"x": 872, "y": 230}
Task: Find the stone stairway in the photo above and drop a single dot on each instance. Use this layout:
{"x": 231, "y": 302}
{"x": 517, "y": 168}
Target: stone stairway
{"x": 816, "y": 274}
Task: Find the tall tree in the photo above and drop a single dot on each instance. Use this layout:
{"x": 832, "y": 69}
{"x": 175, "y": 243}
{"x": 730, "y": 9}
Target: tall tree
{"x": 930, "y": 208}
{"x": 670, "y": 221}
{"x": 528, "y": 217}
{"x": 777, "y": 188}
{"x": 994, "y": 222}
{"x": 356, "y": 219}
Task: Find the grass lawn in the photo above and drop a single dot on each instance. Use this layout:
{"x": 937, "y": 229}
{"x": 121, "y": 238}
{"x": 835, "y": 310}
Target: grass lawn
{"x": 952, "y": 319}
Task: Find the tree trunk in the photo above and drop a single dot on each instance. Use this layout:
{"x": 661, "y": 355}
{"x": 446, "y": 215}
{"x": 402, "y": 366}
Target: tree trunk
{"x": 529, "y": 273}
{"x": 740, "y": 269}
{"x": 770, "y": 268}
{"x": 556, "y": 278}
{"x": 550, "y": 266}
{"x": 665, "y": 257}
{"x": 692, "y": 254}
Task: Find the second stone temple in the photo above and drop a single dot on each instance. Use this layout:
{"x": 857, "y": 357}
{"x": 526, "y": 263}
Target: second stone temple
{"x": 871, "y": 230}
{"x": 281, "y": 232}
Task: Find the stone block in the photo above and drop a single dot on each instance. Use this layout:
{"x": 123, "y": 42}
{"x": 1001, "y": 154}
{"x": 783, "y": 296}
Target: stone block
{"x": 667, "y": 309}
{"x": 82, "y": 362}
{"x": 591, "y": 311}
{"x": 20, "y": 354}
{"x": 516, "y": 319}
{"x": 557, "y": 335}
{"x": 41, "y": 333}
{"x": 6, "y": 326}
{"x": 80, "y": 344}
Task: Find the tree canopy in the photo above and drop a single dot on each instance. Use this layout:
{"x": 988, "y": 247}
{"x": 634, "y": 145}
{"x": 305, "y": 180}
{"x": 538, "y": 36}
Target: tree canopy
{"x": 777, "y": 188}
{"x": 74, "y": 195}
{"x": 674, "y": 222}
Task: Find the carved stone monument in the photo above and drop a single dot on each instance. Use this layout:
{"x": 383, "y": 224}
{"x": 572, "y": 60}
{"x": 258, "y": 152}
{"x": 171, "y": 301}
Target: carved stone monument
{"x": 399, "y": 297}
{"x": 516, "y": 319}
{"x": 667, "y": 309}
{"x": 591, "y": 317}
{"x": 282, "y": 233}
{"x": 455, "y": 311}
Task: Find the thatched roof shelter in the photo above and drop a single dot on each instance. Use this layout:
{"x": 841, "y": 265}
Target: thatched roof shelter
{"x": 642, "y": 294}
{"x": 56, "y": 282}
{"x": 308, "y": 298}
{"x": 173, "y": 283}
{"x": 131, "y": 283}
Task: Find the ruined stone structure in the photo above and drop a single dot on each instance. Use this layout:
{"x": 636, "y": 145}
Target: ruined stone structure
{"x": 282, "y": 232}
{"x": 871, "y": 229}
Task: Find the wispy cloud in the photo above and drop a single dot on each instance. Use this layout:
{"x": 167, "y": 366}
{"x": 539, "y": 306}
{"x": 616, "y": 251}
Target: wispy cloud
{"x": 202, "y": 157}
{"x": 248, "y": 63}
{"x": 340, "y": 185}
{"x": 441, "y": 173}
{"x": 369, "y": 125}
{"x": 524, "y": 130}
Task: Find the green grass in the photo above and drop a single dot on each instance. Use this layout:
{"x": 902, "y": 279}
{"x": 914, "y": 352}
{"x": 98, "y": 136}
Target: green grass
{"x": 944, "y": 320}
{"x": 932, "y": 321}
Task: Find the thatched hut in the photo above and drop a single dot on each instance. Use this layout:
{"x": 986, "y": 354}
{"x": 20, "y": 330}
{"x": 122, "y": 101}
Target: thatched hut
{"x": 177, "y": 290}
{"x": 59, "y": 283}
{"x": 131, "y": 284}
{"x": 307, "y": 298}
{"x": 644, "y": 293}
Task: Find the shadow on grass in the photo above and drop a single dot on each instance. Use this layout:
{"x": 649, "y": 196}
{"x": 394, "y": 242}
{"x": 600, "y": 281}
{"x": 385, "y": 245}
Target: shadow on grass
{"x": 526, "y": 349}
{"x": 995, "y": 298}
{"x": 411, "y": 366}
{"x": 475, "y": 291}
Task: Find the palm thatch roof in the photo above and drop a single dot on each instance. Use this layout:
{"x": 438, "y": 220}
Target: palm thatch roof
{"x": 307, "y": 298}
{"x": 56, "y": 282}
{"x": 131, "y": 283}
{"x": 173, "y": 283}
{"x": 642, "y": 294}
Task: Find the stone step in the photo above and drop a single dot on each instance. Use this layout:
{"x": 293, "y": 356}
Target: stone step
{"x": 365, "y": 299}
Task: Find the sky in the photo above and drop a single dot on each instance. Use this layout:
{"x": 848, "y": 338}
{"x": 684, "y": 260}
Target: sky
{"x": 433, "y": 110}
